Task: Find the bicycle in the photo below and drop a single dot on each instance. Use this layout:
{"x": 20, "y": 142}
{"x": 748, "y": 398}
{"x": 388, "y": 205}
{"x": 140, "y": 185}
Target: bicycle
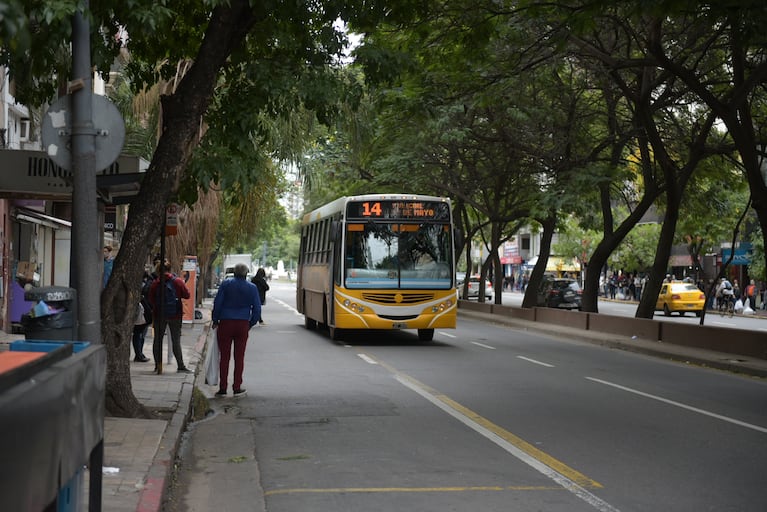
{"x": 726, "y": 305}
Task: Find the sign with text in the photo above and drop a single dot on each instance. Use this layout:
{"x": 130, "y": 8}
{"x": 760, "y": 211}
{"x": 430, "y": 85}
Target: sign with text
{"x": 189, "y": 275}
{"x": 34, "y": 174}
{"x": 171, "y": 219}
{"x": 398, "y": 209}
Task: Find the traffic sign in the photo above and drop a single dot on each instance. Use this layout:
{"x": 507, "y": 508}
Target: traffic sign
{"x": 57, "y": 130}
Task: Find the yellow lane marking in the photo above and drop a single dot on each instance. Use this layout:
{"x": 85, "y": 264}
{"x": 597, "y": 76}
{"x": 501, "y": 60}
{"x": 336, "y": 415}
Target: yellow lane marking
{"x": 481, "y": 488}
{"x": 558, "y": 466}
{"x": 567, "y": 477}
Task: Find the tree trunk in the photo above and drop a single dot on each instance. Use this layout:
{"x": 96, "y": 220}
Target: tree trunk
{"x": 182, "y": 115}
{"x": 650, "y": 290}
{"x": 530, "y": 300}
{"x": 605, "y": 248}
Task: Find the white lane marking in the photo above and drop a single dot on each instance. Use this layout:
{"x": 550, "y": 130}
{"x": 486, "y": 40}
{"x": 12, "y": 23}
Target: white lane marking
{"x": 367, "y": 359}
{"x": 535, "y": 362}
{"x": 534, "y": 463}
{"x": 288, "y": 306}
{"x": 681, "y": 405}
{"x": 725, "y": 324}
{"x": 482, "y": 345}
{"x": 447, "y": 334}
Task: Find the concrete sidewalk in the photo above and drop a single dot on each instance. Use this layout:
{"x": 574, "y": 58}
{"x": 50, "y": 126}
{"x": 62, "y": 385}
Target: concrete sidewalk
{"x": 139, "y": 454}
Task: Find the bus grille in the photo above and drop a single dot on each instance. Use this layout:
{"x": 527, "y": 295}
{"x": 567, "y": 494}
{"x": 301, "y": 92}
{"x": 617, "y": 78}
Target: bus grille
{"x": 397, "y": 297}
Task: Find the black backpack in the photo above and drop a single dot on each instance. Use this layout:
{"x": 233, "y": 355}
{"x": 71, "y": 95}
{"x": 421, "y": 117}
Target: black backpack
{"x": 171, "y": 304}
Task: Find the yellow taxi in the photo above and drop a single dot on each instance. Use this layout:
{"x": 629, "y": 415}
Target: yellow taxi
{"x": 680, "y": 297}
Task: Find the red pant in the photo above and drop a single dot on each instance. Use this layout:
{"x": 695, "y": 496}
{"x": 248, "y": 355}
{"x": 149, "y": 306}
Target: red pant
{"x": 232, "y": 331}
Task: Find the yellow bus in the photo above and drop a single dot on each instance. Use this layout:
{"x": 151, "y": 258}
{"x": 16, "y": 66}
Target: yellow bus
{"x": 378, "y": 261}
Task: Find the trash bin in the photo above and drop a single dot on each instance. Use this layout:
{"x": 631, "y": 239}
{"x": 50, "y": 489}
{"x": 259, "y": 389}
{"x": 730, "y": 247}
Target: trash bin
{"x": 54, "y": 316}
{"x": 70, "y": 494}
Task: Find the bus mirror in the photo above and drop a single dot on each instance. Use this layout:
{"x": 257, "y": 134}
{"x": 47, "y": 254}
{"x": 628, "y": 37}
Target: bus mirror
{"x": 458, "y": 239}
{"x": 335, "y": 231}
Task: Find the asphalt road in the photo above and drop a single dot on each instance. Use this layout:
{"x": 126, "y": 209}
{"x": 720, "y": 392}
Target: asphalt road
{"x": 485, "y": 418}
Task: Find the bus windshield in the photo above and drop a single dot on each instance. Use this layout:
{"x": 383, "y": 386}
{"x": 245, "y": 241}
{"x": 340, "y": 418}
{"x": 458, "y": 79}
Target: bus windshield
{"x": 383, "y": 255}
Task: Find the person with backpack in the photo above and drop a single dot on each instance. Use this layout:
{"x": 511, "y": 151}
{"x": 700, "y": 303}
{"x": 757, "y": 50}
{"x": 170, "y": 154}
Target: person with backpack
{"x": 236, "y": 308}
{"x": 724, "y": 292}
{"x": 165, "y": 295}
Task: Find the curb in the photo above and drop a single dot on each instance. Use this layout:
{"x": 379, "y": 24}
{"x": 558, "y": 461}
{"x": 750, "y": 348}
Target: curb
{"x": 155, "y": 490}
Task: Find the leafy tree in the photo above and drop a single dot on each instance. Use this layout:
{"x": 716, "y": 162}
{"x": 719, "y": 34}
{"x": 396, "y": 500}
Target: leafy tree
{"x": 636, "y": 252}
{"x": 721, "y": 59}
{"x": 716, "y": 196}
{"x": 757, "y": 269}
{"x": 279, "y": 53}
{"x": 575, "y": 241}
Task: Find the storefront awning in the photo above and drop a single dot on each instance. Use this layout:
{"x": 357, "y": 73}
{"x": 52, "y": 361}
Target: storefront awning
{"x": 35, "y": 217}
{"x": 556, "y": 264}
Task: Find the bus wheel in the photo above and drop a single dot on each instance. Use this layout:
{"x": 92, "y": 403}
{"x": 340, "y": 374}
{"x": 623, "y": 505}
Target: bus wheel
{"x": 335, "y": 333}
{"x": 309, "y": 323}
{"x": 425, "y": 334}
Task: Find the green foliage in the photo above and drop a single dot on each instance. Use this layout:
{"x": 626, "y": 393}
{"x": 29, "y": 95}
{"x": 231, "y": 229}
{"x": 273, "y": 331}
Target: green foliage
{"x": 573, "y": 241}
{"x": 757, "y": 267}
{"x": 716, "y": 197}
{"x": 637, "y": 251}
{"x": 283, "y": 244}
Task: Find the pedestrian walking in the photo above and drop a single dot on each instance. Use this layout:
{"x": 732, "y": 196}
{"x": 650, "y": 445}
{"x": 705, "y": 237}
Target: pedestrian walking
{"x": 750, "y": 294}
{"x": 260, "y": 281}
{"x": 612, "y": 284}
{"x": 168, "y": 312}
{"x": 109, "y": 262}
{"x": 236, "y": 308}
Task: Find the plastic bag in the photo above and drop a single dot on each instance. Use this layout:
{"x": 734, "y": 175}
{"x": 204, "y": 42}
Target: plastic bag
{"x": 747, "y": 310}
{"x": 738, "y": 305}
{"x": 211, "y": 363}
{"x": 139, "y": 315}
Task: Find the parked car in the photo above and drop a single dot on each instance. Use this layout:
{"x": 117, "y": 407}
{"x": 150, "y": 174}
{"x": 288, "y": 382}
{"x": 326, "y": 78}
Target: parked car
{"x": 680, "y": 297}
{"x": 560, "y": 292}
{"x": 473, "y": 291}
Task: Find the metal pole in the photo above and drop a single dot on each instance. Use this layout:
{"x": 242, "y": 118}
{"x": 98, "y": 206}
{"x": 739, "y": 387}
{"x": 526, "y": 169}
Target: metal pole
{"x": 86, "y": 250}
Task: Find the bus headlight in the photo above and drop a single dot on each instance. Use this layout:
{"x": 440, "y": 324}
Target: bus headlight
{"x": 353, "y": 306}
{"x": 442, "y": 306}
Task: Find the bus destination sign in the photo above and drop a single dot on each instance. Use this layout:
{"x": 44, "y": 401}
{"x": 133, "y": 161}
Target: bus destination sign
{"x": 396, "y": 209}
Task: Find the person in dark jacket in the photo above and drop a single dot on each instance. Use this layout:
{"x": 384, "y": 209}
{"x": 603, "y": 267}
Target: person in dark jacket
{"x": 260, "y": 281}
{"x": 172, "y": 321}
{"x": 236, "y": 308}
{"x": 143, "y": 319}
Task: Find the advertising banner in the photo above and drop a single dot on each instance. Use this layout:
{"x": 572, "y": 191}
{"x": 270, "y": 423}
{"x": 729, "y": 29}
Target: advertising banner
{"x": 189, "y": 275}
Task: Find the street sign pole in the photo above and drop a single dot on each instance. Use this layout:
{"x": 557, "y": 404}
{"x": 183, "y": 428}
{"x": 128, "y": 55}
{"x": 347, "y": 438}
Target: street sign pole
{"x": 86, "y": 246}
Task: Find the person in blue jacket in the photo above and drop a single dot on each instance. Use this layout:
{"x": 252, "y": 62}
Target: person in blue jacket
{"x": 236, "y": 308}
